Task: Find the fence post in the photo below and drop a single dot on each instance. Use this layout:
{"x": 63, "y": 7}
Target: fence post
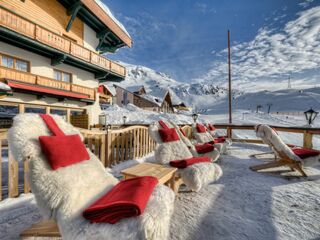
{"x": 103, "y": 149}
{"x": 307, "y": 139}
{"x": 108, "y": 149}
{"x": 13, "y": 175}
{"x": 229, "y": 132}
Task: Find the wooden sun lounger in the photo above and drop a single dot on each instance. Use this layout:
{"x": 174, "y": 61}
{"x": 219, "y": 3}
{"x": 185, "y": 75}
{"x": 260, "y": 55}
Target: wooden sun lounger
{"x": 283, "y": 160}
{"x": 47, "y": 229}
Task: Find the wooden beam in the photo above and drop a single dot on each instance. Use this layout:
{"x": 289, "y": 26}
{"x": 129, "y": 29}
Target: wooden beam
{"x": 73, "y": 11}
{"x": 101, "y": 75}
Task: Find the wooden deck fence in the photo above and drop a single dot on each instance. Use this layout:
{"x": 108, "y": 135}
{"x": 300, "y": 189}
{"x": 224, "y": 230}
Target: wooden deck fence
{"x": 114, "y": 146}
{"x": 111, "y": 147}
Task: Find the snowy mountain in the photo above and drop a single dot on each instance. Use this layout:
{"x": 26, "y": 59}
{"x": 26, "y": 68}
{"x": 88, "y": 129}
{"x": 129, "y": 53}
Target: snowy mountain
{"x": 199, "y": 95}
{"x": 212, "y": 98}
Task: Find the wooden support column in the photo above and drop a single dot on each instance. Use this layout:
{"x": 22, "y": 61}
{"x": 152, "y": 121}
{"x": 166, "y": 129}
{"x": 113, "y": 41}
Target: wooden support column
{"x": 307, "y": 140}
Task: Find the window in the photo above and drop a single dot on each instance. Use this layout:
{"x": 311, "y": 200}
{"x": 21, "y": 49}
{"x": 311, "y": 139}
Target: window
{"x": 7, "y": 62}
{"x": 62, "y": 76}
{"x": 12, "y": 62}
{"x": 21, "y": 65}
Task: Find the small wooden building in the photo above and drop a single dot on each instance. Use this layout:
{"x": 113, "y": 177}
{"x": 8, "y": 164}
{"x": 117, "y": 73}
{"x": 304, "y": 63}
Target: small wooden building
{"x": 106, "y": 95}
{"x": 138, "y": 96}
{"x": 181, "y": 107}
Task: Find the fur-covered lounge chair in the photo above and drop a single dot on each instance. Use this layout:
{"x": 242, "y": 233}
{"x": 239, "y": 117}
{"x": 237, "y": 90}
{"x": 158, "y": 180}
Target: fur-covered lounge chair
{"x": 206, "y": 137}
{"x": 63, "y": 194}
{"x": 195, "y": 176}
{"x": 214, "y": 155}
{"x": 295, "y": 158}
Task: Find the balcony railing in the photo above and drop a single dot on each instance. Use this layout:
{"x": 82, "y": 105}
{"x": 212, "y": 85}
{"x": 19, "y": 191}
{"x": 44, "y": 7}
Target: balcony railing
{"x": 25, "y": 77}
{"x": 27, "y": 28}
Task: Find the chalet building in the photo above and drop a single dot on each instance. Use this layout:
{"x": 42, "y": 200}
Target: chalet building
{"x": 50, "y": 55}
{"x": 137, "y": 95}
{"x": 181, "y": 107}
{"x": 106, "y": 95}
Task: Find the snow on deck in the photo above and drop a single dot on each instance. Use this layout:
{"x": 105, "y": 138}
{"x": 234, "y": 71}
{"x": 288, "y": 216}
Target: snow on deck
{"x": 241, "y": 205}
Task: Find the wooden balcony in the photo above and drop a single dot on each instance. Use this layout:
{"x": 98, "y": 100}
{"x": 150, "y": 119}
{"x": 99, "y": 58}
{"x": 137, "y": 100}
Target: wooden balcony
{"x": 24, "y": 77}
{"x": 31, "y": 30}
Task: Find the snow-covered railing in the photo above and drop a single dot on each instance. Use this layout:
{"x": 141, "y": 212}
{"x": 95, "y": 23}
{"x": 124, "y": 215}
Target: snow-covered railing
{"x": 306, "y": 132}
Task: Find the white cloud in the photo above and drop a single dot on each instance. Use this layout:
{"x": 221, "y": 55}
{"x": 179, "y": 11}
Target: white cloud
{"x": 204, "y": 8}
{"x": 273, "y": 54}
{"x": 305, "y": 3}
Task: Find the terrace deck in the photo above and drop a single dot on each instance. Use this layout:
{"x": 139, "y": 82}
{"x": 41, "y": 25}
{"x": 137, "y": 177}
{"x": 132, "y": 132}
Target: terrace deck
{"x": 241, "y": 205}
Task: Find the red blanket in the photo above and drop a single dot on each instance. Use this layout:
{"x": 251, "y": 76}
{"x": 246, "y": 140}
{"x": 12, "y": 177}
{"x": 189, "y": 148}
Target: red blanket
{"x": 187, "y": 162}
{"x": 127, "y": 199}
{"x": 204, "y": 148}
{"x": 219, "y": 140}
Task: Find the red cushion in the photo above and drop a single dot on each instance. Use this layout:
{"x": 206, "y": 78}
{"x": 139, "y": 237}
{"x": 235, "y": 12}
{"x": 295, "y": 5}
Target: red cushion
{"x": 127, "y": 199}
{"x": 204, "y": 148}
{"x": 305, "y": 153}
{"x": 211, "y": 127}
{"x": 201, "y": 128}
{"x": 169, "y": 135}
{"x": 183, "y": 132}
{"x": 219, "y": 140}
{"x": 62, "y": 151}
{"x": 163, "y": 124}
{"x": 190, "y": 161}
{"x": 52, "y": 125}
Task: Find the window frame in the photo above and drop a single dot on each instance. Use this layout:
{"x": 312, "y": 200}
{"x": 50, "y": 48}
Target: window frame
{"x": 62, "y": 75}
{"x": 15, "y": 59}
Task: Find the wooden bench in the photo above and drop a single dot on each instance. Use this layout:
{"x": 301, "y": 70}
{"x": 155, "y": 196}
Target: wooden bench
{"x": 47, "y": 229}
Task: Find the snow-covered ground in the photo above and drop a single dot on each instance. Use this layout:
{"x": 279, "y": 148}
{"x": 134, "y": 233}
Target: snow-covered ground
{"x": 241, "y": 205}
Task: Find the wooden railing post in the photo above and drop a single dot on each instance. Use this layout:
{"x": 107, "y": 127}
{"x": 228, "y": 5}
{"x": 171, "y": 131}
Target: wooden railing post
{"x": 307, "y": 139}
{"x": 103, "y": 150}
{"x": 108, "y": 149}
{"x": 13, "y": 177}
{"x": 229, "y": 132}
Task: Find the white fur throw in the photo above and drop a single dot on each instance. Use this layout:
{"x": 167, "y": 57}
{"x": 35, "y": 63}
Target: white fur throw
{"x": 64, "y": 194}
{"x": 270, "y": 137}
{"x": 195, "y": 176}
{"x": 166, "y": 152}
{"x": 204, "y": 173}
{"x": 207, "y": 137}
{"x": 214, "y": 155}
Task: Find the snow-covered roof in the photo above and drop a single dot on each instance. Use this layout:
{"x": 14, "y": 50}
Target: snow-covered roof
{"x": 111, "y": 89}
{"x": 107, "y": 10}
{"x": 159, "y": 93}
{"x": 155, "y": 96}
{"x": 4, "y": 87}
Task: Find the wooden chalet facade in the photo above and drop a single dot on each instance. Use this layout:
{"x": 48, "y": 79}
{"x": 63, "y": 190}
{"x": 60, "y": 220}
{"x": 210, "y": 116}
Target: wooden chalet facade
{"x": 138, "y": 96}
{"x": 181, "y": 107}
{"x": 106, "y": 96}
{"x": 50, "y": 55}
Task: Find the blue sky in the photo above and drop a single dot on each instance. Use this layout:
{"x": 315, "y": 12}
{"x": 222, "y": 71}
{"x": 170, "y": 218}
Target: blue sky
{"x": 187, "y": 39}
